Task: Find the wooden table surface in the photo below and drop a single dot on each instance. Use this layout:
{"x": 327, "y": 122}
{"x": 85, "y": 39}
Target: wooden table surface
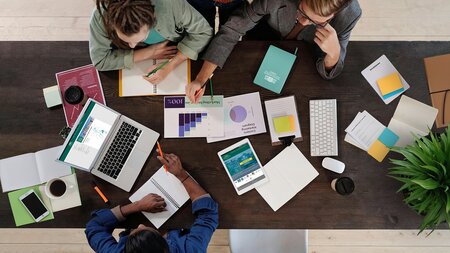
{"x": 26, "y": 125}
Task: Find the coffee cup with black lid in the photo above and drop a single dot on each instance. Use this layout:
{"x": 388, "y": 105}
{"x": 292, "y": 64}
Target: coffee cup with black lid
{"x": 75, "y": 95}
{"x": 343, "y": 185}
{"x": 57, "y": 188}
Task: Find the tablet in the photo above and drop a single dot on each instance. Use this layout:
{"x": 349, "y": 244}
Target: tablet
{"x": 243, "y": 166}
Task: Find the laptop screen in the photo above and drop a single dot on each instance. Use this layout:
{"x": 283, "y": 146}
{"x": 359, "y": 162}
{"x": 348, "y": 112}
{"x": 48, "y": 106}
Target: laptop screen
{"x": 88, "y": 136}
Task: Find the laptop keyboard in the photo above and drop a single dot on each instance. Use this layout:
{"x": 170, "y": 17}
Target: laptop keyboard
{"x": 119, "y": 150}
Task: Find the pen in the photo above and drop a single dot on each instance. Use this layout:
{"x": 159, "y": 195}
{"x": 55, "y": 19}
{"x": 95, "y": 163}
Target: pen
{"x": 161, "y": 153}
{"x": 203, "y": 86}
{"x": 100, "y": 193}
{"x": 157, "y": 68}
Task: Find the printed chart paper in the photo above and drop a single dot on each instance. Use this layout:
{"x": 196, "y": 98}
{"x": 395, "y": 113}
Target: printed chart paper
{"x": 243, "y": 117}
{"x": 182, "y": 119}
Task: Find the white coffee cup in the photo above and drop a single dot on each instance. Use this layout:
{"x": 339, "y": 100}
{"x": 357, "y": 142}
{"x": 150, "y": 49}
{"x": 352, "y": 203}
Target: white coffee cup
{"x": 57, "y": 188}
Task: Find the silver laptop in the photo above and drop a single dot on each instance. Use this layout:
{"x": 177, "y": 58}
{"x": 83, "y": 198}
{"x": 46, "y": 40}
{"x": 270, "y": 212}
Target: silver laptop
{"x": 108, "y": 144}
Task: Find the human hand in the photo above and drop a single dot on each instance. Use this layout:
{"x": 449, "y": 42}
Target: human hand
{"x": 173, "y": 165}
{"x": 326, "y": 38}
{"x": 159, "y": 75}
{"x": 161, "y": 51}
{"x": 152, "y": 203}
{"x": 191, "y": 91}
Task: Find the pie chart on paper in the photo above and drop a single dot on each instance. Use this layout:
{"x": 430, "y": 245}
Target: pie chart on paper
{"x": 238, "y": 114}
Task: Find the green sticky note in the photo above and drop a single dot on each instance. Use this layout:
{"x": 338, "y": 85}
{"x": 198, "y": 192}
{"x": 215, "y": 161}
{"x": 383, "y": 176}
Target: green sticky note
{"x": 284, "y": 124}
{"x": 21, "y": 215}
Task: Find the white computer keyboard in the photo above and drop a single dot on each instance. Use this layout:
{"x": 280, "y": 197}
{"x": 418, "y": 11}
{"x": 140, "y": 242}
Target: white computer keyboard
{"x": 323, "y": 127}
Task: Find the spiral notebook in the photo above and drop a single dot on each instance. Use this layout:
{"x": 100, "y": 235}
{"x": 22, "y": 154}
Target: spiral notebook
{"x": 168, "y": 187}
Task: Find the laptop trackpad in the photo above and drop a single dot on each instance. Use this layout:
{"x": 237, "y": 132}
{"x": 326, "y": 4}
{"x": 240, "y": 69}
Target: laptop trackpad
{"x": 137, "y": 159}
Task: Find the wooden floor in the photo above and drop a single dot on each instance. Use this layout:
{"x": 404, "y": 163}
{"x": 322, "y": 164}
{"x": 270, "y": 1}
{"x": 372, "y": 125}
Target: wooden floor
{"x": 320, "y": 241}
{"x": 63, "y": 20}
{"x": 381, "y": 20}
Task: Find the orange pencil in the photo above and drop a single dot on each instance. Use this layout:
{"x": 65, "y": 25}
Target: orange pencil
{"x": 161, "y": 153}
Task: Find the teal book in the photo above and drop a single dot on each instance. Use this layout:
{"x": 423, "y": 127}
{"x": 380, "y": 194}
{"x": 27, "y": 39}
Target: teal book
{"x": 274, "y": 69}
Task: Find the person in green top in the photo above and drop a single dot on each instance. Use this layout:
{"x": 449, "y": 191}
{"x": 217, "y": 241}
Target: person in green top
{"x": 124, "y": 32}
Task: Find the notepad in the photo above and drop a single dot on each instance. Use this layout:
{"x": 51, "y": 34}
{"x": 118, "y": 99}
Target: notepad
{"x": 288, "y": 172}
{"x": 132, "y": 83}
{"x": 379, "y": 69}
{"x": 284, "y": 124}
{"x": 390, "y": 85}
{"x": 168, "y": 187}
{"x": 274, "y": 69}
{"x": 31, "y": 169}
{"x": 411, "y": 118}
{"x": 282, "y": 112}
{"x": 378, "y": 151}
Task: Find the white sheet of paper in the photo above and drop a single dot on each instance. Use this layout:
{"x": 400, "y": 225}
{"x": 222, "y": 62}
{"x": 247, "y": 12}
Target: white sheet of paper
{"x": 365, "y": 129}
{"x": 172, "y": 186}
{"x": 133, "y": 83}
{"x": 47, "y": 165}
{"x": 282, "y": 107}
{"x": 288, "y": 172}
{"x": 243, "y": 117}
{"x": 352, "y": 141}
{"x": 19, "y": 172}
{"x": 412, "y": 117}
{"x": 379, "y": 69}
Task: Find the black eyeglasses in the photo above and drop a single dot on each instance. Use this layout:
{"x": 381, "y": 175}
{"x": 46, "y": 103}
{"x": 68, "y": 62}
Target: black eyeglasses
{"x": 314, "y": 23}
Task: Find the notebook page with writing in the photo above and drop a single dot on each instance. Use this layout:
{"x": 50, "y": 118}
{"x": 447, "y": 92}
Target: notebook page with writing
{"x": 132, "y": 83}
{"x": 288, "y": 173}
{"x": 168, "y": 187}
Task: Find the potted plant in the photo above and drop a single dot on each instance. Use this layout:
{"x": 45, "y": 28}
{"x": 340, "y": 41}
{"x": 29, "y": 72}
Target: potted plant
{"x": 425, "y": 174}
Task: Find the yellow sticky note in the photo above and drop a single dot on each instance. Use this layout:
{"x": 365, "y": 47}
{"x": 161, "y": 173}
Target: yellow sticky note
{"x": 378, "y": 151}
{"x": 389, "y": 83}
{"x": 284, "y": 124}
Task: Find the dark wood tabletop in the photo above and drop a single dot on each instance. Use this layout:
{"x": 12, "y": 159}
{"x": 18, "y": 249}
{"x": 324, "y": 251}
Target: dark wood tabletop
{"x": 26, "y": 125}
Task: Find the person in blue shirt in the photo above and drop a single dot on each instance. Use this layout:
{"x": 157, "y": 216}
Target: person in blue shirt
{"x": 146, "y": 239}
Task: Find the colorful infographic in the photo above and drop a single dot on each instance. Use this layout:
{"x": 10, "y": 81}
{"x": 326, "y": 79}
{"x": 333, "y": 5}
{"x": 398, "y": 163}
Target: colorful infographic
{"x": 182, "y": 119}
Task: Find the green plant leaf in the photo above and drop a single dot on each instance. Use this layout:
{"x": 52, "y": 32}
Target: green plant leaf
{"x": 438, "y": 173}
{"x": 428, "y": 184}
{"x": 447, "y": 207}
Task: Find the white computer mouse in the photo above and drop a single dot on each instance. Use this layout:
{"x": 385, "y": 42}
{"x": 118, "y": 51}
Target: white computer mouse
{"x": 333, "y": 165}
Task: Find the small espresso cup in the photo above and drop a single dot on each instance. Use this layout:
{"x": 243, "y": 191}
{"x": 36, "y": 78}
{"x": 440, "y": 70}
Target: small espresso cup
{"x": 57, "y": 188}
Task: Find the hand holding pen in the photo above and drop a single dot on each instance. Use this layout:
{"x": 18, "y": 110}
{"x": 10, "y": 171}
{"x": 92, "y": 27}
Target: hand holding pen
{"x": 157, "y": 72}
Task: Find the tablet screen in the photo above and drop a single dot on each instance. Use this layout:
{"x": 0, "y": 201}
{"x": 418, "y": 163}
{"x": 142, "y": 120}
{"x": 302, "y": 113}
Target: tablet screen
{"x": 243, "y": 166}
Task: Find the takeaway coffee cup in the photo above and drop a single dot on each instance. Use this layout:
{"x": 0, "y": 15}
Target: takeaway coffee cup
{"x": 57, "y": 188}
{"x": 75, "y": 95}
{"x": 343, "y": 185}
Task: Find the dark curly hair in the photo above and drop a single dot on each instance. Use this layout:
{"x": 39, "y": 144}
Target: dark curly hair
{"x": 146, "y": 241}
{"x": 127, "y": 16}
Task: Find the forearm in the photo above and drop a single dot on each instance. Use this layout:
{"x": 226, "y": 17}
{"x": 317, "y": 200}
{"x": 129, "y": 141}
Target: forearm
{"x": 140, "y": 55}
{"x": 176, "y": 60}
{"x": 131, "y": 208}
{"x": 330, "y": 61}
{"x": 192, "y": 187}
{"x": 205, "y": 72}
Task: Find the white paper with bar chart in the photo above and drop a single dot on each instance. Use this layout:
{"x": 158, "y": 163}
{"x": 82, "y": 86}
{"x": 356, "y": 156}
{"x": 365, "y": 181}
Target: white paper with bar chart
{"x": 183, "y": 119}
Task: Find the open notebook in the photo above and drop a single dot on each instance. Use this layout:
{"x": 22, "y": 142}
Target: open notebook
{"x": 288, "y": 173}
{"x": 31, "y": 169}
{"x": 168, "y": 187}
{"x": 411, "y": 118}
{"x": 132, "y": 83}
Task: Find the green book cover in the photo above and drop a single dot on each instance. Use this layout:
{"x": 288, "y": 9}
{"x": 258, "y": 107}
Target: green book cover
{"x": 274, "y": 69}
{"x": 21, "y": 215}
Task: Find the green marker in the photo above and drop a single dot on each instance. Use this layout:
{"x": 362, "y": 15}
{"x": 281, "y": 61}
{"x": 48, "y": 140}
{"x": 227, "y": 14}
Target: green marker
{"x": 157, "y": 68}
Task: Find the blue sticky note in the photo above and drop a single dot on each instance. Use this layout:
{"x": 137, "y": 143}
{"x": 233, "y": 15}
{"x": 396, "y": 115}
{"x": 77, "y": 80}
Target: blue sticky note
{"x": 393, "y": 93}
{"x": 388, "y": 138}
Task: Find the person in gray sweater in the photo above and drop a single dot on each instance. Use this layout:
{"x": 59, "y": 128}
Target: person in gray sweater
{"x": 326, "y": 23}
